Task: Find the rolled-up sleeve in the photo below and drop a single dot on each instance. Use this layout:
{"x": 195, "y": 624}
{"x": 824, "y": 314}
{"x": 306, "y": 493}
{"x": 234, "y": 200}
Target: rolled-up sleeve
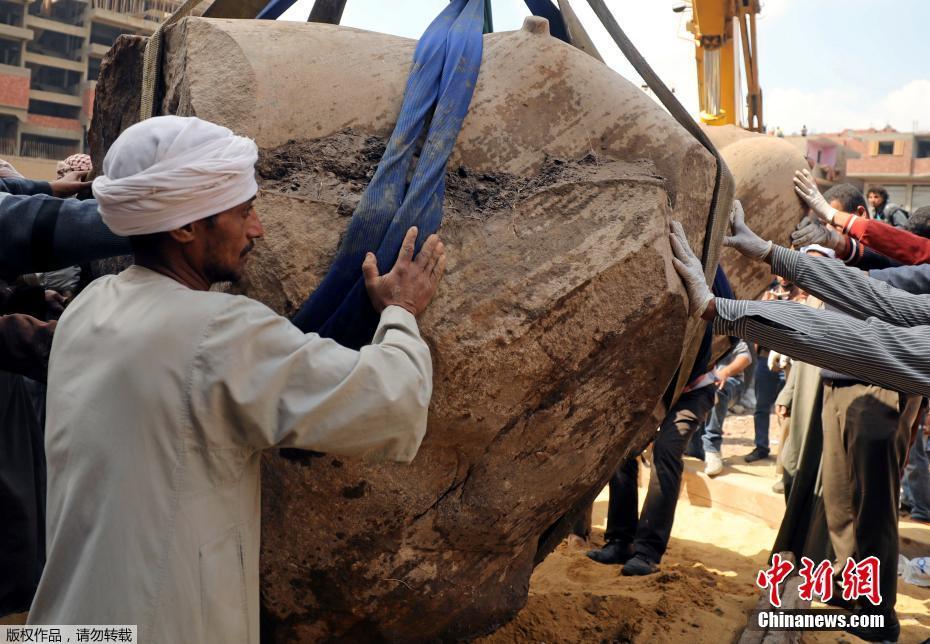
{"x": 259, "y": 381}
{"x": 871, "y": 350}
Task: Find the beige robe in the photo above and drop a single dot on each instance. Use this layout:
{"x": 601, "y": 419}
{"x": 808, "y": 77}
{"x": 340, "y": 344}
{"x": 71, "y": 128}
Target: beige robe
{"x": 160, "y": 402}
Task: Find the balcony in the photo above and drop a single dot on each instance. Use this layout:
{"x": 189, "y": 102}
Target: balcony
{"x": 8, "y": 148}
{"x": 53, "y": 126}
{"x": 38, "y": 22}
{"x": 55, "y": 97}
{"x": 54, "y": 61}
{"x": 45, "y": 150}
{"x": 96, "y": 49}
{"x": 136, "y": 24}
{"x": 14, "y": 32}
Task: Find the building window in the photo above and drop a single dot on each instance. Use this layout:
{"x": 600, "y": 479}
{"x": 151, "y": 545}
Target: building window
{"x": 8, "y": 125}
{"x": 11, "y": 13}
{"x": 46, "y": 108}
{"x": 923, "y": 148}
{"x": 9, "y": 52}
{"x": 885, "y": 147}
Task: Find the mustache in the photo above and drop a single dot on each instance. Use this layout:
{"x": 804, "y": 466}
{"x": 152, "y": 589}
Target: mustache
{"x": 247, "y": 249}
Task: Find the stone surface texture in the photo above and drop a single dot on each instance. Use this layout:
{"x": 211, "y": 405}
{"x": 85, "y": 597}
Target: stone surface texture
{"x": 555, "y": 332}
{"x": 763, "y": 168}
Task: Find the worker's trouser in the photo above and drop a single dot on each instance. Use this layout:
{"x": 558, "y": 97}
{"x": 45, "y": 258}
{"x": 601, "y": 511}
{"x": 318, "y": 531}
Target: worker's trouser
{"x": 866, "y": 432}
{"x": 649, "y": 533}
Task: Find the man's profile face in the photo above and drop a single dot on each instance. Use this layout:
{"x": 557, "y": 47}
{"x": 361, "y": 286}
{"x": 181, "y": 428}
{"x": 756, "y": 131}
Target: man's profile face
{"x": 228, "y": 239}
{"x": 875, "y": 200}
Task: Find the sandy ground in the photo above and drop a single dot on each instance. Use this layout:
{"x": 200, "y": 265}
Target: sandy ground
{"x": 702, "y": 594}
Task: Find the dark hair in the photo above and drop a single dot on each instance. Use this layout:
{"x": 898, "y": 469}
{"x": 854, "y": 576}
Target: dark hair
{"x": 848, "y": 195}
{"x": 919, "y": 222}
{"x": 880, "y": 191}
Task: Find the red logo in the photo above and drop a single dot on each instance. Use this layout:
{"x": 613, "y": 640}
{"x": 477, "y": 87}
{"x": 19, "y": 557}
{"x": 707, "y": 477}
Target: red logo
{"x": 817, "y": 581}
{"x": 770, "y": 578}
{"x": 857, "y": 579}
{"x": 861, "y": 580}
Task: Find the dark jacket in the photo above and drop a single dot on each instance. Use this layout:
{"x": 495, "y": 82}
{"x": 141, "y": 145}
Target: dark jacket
{"x": 39, "y": 232}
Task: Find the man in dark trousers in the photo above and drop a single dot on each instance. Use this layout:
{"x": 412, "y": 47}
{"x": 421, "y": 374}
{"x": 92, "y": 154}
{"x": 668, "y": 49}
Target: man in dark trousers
{"x": 639, "y": 542}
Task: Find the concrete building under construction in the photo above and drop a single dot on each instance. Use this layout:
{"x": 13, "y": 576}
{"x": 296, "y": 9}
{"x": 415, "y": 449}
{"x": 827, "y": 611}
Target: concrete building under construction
{"x": 50, "y": 55}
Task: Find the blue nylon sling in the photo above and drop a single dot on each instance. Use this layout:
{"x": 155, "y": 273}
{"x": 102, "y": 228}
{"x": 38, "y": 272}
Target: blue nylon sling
{"x": 442, "y": 79}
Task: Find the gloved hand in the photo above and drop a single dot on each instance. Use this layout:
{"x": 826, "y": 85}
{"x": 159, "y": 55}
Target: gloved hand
{"x": 690, "y": 270}
{"x": 742, "y": 238}
{"x": 810, "y": 230}
{"x": 809, "y": 193}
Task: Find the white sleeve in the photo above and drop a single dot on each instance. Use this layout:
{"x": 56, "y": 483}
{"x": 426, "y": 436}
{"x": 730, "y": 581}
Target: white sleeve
{"x": 259, "y": 381}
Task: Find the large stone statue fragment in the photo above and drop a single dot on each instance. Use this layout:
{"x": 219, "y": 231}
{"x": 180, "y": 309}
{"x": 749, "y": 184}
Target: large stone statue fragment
{"x": 763, "y": 168}
{"x": 558, "y": 326}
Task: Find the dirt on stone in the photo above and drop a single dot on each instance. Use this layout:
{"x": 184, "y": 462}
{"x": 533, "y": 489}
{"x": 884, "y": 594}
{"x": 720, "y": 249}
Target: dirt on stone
{"x": 338, "y": 168}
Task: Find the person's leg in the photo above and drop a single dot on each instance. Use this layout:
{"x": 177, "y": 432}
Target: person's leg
{"x": 658, "y": 514}
{"x": 695, "y": 446}
{"x": 917, "y": 478}
{"x": 623, "y": 505}
{"x": 622, "y": 508}
{"x": 837, "y": 487}
{"x": 767, "y": 387}
{"x": 712, "y": 438}
{"x": 878, "y": 431}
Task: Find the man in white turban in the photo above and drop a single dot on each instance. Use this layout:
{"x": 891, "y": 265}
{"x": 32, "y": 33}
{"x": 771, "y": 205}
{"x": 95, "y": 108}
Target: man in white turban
{"x": 162, "y": 395}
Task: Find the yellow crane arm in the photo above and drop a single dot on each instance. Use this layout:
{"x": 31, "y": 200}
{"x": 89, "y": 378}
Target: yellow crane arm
{"x": 713, "y": 24}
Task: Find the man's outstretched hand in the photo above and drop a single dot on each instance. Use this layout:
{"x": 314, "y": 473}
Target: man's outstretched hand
{"x": 743, "y": 239}
{"x": 690, "y": 270}
{"x": 412, "y": 283}
{"x": 70, "y": 184}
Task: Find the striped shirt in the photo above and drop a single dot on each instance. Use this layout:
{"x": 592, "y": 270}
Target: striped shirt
{"x": 883, "y": 338}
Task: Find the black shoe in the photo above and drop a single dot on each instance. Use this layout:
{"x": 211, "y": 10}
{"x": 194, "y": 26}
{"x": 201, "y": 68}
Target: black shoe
{"x": 638, "y": 566}
{"x": 890, "y": 632}
{"x": 756, "y": 455}
{"x": 613, "y": 552}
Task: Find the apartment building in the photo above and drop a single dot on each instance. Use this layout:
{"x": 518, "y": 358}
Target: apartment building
{"x": 899, "y": 161}
{"x": 50, "y": 55}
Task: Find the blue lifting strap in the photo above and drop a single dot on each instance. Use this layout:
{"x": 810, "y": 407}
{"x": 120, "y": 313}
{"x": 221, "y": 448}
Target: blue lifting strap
{"x": 442, "y": 79}
{"x": 274, "y": 9}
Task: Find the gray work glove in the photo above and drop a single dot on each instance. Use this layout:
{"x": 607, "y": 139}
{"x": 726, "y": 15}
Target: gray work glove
{"x": 810, "y": 230}
{"x": 690, "y": 270}
{"x": 806, "y": 188}
{"x": 743, "y": 239}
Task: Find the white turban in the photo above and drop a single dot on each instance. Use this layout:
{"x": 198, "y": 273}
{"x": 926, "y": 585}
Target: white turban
{"x": 168, "y": 171}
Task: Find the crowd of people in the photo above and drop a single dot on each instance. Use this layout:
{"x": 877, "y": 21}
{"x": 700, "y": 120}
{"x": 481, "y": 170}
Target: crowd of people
{"x": 134, "y": 472}
{"x": 838, "y": 357}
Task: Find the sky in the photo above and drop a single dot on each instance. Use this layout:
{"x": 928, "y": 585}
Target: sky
{"x": 826, "y": 64}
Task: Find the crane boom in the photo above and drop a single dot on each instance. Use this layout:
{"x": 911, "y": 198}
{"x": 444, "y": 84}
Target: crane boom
{"x": 713, "y": 24}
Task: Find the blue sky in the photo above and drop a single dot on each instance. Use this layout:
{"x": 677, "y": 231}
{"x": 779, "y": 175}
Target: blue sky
{"x": 827, "y": 64}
